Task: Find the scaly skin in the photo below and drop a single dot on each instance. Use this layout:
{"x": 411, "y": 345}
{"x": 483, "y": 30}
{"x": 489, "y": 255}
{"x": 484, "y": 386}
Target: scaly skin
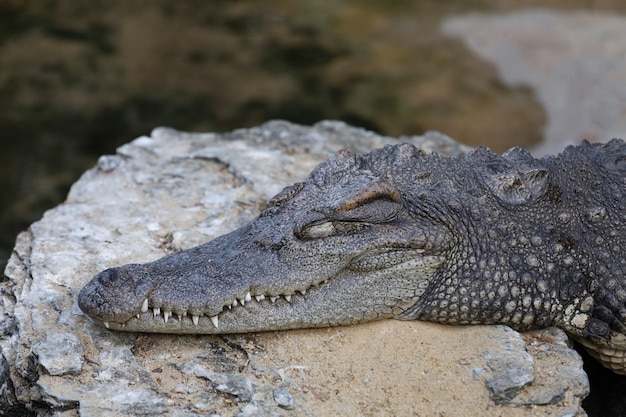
{"x": 396, "y": 233}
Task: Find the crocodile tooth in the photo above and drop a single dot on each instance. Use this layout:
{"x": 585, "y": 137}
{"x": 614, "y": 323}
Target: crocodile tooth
{"x": 259, "y": 297}
{"x": 248, "y": 297}
{"x": 106, "y": 324}
{"x": 288, "y": 298}
{"x": 273, "y": 299}
{"x": 166, "y": 315}
{"x": 214, "y": 320}
{"x": 144, "y": 306}
{"x": 138, "y": 316}
{"x": 302, "y": 292}
{"x": 156, "y": 311}
{"x": 235, "y": 302}
{"x": 195, "y": 319}
{"x": 242, "y": 301}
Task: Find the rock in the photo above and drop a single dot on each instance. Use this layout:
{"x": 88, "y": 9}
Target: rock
{"x": 233, "y": 384}
{"x": 60, "y": 354}
{"x": 8, "y": 402}
{"x": 174, "y": 190}
{"x": 283, "y": 398}
{"x": 512, "y": 368}
{"x": 559, "y": 378}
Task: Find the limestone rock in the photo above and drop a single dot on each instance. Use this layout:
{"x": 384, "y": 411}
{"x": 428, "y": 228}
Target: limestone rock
{"x": 512, "y": 369}
{"x": 174, "y": 190}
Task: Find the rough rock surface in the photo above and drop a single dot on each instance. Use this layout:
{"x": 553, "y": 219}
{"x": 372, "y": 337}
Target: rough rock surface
{"x": 174, "y": 190}
{"x": 573, "y": 61}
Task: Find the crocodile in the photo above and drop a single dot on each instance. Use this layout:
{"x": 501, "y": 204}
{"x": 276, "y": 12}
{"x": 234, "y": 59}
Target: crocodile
{"x": 398, "y": 233}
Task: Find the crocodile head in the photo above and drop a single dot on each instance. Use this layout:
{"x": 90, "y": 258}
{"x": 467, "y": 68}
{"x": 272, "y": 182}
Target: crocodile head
{"x": 345, "y": 246}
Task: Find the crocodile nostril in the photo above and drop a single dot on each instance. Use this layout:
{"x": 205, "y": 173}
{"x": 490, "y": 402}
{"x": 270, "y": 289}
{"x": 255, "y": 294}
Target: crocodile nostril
{"x": 109, "y": 277}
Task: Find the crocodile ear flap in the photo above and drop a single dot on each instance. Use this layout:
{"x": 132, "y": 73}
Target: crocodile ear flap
{"x": 515, "y": 178}
{"x": 536, "y": 180}
{"x": 517, "y": 188}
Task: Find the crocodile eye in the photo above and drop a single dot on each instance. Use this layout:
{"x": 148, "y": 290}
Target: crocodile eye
{"x": 317, "y": 231}
{"x": 331, "y": 228}
{"x": 350, "y": 220}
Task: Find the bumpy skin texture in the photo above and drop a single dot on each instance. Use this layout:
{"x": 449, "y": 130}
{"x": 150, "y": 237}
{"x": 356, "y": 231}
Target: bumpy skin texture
{"x": 396, "y": 233}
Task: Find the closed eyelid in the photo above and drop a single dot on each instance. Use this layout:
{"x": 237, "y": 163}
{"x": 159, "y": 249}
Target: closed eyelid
{"x": 375, "y": 211}
{"x": 375, "y": 191}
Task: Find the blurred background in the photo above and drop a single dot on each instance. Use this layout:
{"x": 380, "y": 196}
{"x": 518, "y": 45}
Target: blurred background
{"x": 80, "y": 78}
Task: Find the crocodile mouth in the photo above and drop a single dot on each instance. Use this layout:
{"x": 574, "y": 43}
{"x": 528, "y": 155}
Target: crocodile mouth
{"x": 151, "y": 313}
{"x": 156, "y": 316}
